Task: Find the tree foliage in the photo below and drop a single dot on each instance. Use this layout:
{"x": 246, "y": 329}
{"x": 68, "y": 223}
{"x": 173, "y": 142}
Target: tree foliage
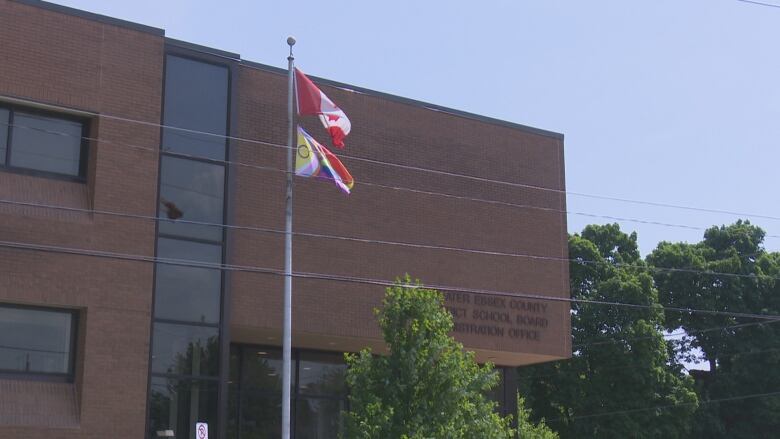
{"x": 427, "y": 386}
{"x": 742, "y": 360}
{"x": 621, "y": 362}
{"x": 527, "y": 429}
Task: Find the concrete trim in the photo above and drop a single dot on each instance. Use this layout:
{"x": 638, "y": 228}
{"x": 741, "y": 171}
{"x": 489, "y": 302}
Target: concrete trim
{"x": 202, "y": 49}
{"x": 93, "y": 16}
{"x": 409, "y": 101}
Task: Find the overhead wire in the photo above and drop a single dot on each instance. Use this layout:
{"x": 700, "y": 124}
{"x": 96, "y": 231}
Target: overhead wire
{"x": 771, "y": 5}
{"x": 432, "y": 193}
{"x": 382, "y": 242}
{"x": 667, "y": 406}
{"x": 666, "y": 337}
{"x": 441, "y": 172}
{"x": 367, "y": 240}
{"x": 365, "y": 281}
{"x": 157, "y": 150}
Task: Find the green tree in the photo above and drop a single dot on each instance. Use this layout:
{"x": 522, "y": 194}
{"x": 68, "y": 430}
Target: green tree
{"x": 621, "y": 363}
{"x": 526, "y": 429}
{"x": 427, "y": 386}
{"x": 741, "y": 360}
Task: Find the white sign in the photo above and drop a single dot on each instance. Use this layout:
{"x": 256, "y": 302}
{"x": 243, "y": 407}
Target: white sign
{"x": 201, "y": 430}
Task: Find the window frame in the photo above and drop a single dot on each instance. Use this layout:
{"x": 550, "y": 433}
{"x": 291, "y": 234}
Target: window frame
{"x": 298, "y": 355}
{"x": 49, "y": 376}
{"x": 83, "y": 150}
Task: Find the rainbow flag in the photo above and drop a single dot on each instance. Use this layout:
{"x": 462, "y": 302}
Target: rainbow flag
{"x": 314, "y": 160}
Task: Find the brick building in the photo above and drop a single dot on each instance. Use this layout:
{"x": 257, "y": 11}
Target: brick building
{"x": 128, "y": 311}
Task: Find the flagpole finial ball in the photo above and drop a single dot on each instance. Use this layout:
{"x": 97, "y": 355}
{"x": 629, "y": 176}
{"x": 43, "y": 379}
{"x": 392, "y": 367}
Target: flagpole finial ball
{"x": 291, "y": 41}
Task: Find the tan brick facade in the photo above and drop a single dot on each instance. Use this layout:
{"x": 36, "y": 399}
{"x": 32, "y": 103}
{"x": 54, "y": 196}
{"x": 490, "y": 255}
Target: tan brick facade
{"x": 79, "y": 63}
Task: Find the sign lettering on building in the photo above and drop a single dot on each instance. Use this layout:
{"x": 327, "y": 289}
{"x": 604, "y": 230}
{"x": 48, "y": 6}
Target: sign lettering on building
{"x": 491, "y": 316}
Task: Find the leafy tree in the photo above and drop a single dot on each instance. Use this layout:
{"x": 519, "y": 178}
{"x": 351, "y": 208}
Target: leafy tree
{"x": 742, "y": 360}
{"x": 427, "y": 386}
{"x": 621, "y": 364}
{"x": 526, "y": 429}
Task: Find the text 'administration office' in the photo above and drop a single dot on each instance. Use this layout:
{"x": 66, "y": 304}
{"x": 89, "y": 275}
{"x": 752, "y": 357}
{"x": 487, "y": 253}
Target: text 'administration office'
{"x": 101, "y": 337}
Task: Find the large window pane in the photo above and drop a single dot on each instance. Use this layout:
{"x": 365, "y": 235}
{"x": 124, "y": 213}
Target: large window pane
{"x": 177, "y": 405}
{"x": 234, "y": 376}
{"x": 196, "y": 98}
{"x": 4, "y": 114}
{"x": 169, "y": 248}
{"x": 318, "y": 418}
{"x": 261, "y": 416}
{"x": 322, "y": 374}
{"x": 188, "y": 293}
{"x": 36, "y": 341}
{"x": 193, "y": 191}
{"x": 185, "y": 349}
{"x": 46, "y": 144}
{"x": 232, "y": 415}
{"x": 261, "y": 371}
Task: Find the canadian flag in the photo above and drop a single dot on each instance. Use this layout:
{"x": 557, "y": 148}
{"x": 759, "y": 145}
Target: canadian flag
{"x": 311, "y": 100}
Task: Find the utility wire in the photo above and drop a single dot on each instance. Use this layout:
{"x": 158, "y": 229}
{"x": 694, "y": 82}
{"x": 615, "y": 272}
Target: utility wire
{"x": 670, "y": 336}
{"x": 771, "y": 5}
{"x": 590, "y": 372}
{"x": 385, "y": 242}
{"x": 396, "y": 188}
{"x": 618, "y": 340}
{"x": 693, "y": 331}
{"x": 440, "y": 172}
{"x": 668, "y": 406}
{"x": 361, "y": 280}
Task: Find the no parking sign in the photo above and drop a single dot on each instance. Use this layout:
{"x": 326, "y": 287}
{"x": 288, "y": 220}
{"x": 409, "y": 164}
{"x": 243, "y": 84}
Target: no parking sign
{"x": 201, "y": 430}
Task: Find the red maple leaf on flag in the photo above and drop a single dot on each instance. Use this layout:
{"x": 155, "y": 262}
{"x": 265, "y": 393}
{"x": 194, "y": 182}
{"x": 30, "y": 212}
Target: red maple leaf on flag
{"x": 333, "y": 117}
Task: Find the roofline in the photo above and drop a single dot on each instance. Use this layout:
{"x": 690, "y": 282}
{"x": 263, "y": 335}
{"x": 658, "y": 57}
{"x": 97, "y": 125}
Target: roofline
{"x": 235, "y": 57}
{"x": 203, "y": 49}
{"x": 409, "y": 101}
{"x": 93, "y": 16}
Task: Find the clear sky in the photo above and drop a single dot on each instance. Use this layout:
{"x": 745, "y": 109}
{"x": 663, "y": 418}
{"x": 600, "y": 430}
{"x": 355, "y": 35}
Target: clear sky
{"x": 673, "y": 101}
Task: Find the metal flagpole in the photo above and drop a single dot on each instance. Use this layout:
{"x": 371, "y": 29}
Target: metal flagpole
{"x": 287, "y": 336}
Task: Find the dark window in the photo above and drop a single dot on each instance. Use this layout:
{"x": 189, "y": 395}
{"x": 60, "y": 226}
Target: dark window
{"x": 318, "y": 418}
{"x": 188, "y": 293}
{"x": 261, "y": 370}
{"x": 36, "y": 341}
{"x": 42, "y": 142}
{"x": 261, "y": 416}
{"x": 176, "y": 406}
{"x": 4, "y": 122}
{"x": 255, "y": 393}
{"x": 196, "y": 97}
{"x": 322, "y": 374}
{"x": 185, "y": 349}
{"x": 192, "y": 191}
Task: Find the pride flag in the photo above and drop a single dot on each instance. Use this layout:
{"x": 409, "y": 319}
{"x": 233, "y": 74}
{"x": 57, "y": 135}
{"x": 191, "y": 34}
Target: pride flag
{"x": 314, "y": 160}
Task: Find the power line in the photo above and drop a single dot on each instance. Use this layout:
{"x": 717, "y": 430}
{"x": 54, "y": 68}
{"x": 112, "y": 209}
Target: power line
{"x": 447, "y": 173}
{"x": 771, "y": 5}
{"x": 396, "y": 188}
{"x": 685, "y": 332}
{"x": 590, "y": 372}
{"x": 386, "y": 242}
{"x": 366, "y": 281}
{"x": 668, "y": 406}
{"x": 694, "y": 331}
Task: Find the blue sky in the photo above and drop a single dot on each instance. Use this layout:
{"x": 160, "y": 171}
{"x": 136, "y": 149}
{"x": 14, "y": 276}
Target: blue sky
{"x": 673, "y": 101}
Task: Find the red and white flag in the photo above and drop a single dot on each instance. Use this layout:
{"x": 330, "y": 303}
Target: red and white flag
{"x": 311, "y": 100}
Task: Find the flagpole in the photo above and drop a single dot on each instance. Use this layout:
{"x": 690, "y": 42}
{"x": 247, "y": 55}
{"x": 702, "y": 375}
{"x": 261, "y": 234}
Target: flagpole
{"x": 287, "y": 330}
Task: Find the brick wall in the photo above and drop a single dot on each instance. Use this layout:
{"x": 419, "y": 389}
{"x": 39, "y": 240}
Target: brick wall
{"x": 397, "y": 132}
{"x": 57, "y": 59}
